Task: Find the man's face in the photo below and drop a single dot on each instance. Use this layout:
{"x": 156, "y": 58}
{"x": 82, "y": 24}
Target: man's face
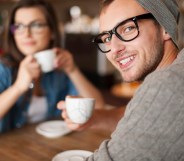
{"x": 136, "y": 58}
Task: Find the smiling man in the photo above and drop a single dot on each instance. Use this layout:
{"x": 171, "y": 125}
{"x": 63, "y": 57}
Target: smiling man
{"x": 139, "y": 37}
{"x": 132, "y": 38}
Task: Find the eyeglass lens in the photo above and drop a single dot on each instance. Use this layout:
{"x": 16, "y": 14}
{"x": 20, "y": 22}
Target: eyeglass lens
{"x": 33, "y": 27}
{"x": 124, "y": 31}
{"x": 127, "y": 30}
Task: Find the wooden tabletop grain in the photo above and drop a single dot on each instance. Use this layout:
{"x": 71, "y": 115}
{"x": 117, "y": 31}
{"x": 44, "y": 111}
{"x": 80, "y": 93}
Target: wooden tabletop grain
{"x": 25, "y": 144}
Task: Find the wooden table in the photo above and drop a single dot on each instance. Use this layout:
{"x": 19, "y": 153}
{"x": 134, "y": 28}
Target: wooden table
{"x": 26, "y": 145}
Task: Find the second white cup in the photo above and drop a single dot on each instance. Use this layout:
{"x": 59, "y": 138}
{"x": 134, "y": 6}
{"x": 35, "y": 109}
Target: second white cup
{"x": 79, "y": 110}
{"x": 46, "y": 60}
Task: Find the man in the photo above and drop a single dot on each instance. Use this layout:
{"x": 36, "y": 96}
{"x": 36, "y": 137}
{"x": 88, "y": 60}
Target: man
{"x": 139, "y": 38}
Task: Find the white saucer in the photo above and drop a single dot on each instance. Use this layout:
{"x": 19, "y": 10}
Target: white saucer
{"x": 72, "y": 155}
{"x": 53, "y": 129}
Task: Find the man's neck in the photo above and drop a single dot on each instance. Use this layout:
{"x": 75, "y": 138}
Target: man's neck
{"x": 170, "y": 54}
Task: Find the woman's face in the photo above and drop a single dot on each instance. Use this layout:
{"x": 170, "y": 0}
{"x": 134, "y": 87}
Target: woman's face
{"x": 31, "y": 32}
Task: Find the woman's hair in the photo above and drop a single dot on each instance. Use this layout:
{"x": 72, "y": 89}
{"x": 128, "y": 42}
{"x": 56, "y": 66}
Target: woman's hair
{"x": 12, "y": 55}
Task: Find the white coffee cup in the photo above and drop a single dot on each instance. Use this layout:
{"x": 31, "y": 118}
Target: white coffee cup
{"x": 46, "y": 60}
{"x": 76, "y": 158}
{"x": 79, "y": 110}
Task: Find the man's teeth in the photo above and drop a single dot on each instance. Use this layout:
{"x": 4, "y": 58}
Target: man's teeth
{"x": 124, "y": 61}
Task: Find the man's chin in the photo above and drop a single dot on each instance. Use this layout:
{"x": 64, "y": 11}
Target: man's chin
{"x": 129, "y": 77}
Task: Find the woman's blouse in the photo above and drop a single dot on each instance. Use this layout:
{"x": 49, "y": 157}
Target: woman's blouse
{"x": 56, "y": 86}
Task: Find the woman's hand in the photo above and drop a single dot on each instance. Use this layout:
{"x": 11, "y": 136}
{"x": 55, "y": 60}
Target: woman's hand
{"x": 64, "y": 60}
{"x": 29, "y": 70}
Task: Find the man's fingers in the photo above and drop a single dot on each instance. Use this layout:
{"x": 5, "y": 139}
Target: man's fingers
{"x": 61, "y": 105}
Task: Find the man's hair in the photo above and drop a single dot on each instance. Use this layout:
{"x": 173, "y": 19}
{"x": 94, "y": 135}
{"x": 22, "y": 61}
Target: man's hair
{"x": 166, "y": 12}
{"x": 104, "y": 3}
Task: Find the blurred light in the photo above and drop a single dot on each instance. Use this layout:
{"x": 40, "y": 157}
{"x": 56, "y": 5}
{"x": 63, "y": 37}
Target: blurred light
{"x": 75, "y": 11}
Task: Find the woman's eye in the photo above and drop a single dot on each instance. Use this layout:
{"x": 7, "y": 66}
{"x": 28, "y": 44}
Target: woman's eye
{"x": 36, "y": 25}
{"x": 19, "y": 26}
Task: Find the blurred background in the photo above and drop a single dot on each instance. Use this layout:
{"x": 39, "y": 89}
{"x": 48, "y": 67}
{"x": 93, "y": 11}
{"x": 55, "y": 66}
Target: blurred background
{"x": 78, "y": 24}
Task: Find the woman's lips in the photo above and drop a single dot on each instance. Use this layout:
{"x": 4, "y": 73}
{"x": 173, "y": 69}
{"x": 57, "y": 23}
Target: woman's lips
{"x": 28, "y": 43}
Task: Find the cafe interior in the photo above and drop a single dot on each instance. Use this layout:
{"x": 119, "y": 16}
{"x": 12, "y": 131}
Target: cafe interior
{"x": 78, "y": 25}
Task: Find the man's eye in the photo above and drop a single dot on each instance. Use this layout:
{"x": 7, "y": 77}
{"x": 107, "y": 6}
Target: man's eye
{"x": 106, "y": 39}
{"x": 129, "y": 29}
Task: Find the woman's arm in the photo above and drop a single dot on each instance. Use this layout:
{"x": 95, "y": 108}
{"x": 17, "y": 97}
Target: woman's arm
{"x": 85, "y": 87}
{"x": 8, "y": 99}
{"x": 29, "y": 69}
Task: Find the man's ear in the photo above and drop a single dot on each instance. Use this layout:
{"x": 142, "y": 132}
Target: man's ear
{"x": 166, "y": 36}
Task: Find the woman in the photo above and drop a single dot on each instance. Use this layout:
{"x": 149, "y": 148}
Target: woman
{"x": 32, "y": 28}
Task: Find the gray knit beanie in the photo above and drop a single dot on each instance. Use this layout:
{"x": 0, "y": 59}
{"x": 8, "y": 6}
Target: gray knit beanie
{"x": 166, "y": 12}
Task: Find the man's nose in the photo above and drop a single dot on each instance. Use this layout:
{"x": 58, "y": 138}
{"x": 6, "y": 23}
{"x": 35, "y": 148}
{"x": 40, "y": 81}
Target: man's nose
{"x": 116, "y": 44}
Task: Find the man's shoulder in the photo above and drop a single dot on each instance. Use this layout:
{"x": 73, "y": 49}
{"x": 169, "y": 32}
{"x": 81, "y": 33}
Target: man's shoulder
{"x": 170, "y": 78}
{"x": 171, "y": 72}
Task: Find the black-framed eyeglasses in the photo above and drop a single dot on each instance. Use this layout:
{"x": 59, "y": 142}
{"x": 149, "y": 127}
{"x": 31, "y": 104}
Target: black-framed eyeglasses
{"x": 126, "y": 30}
{"x": 34, "y": 27}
